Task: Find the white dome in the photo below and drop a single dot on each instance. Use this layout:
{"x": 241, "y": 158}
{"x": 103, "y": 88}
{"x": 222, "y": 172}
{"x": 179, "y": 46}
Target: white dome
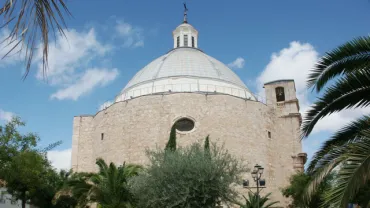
{"x": 185, "y": 69}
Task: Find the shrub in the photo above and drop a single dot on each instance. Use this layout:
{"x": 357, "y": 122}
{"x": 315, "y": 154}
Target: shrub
{"x": 189, "y": 177}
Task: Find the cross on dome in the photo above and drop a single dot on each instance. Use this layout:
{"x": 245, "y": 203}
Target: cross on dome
{"x": 185, "y": 35}
{"x": 185, "y": 13}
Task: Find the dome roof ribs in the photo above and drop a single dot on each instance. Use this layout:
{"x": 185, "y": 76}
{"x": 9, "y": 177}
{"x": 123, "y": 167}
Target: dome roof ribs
{"x": 160, "y": 65}
{"x": 214, "y": 66}
{"x": 158, "y": 69}
{"x": 185, "y": 68}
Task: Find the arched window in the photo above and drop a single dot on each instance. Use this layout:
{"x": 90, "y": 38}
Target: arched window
{"x": 178, "y": 41}
{"x": 192, "y": 42}
{"x": 186, "y": 41}
{"x": 280, "y": 94}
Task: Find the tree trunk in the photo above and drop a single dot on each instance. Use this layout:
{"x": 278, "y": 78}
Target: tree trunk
{"x": 24, "y": 200}
{"x": 23, "y": 203}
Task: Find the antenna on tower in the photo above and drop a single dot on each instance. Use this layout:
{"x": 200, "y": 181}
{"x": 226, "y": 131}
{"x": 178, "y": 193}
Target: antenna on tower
{"x": 185, "y": 13}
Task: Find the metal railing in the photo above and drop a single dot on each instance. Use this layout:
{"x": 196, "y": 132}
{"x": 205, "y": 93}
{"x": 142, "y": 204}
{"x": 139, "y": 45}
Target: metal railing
{"x": 186, "y": 87}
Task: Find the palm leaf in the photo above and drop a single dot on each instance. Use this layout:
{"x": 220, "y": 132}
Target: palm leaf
{"x": 270, "y": 204}
{"x": 353, "y": 160}
{"x": 131, "y": 170}
{"x": 108, "y": 187}
{"x": 354, "y": 173}
{"x": 323, "y": 168}
{"x": 348, "y": 149}
{"x": 347, "y": 58}
{"x": 350, "y": 91}
{"x": 34, "y": 21}
{"x": 103, "y": 167}
{"x": 254, "y": 201}
{"x": 347, "y": 134}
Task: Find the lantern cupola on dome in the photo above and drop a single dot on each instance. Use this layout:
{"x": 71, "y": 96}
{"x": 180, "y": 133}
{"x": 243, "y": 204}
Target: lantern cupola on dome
{"x": 185, "y": 69}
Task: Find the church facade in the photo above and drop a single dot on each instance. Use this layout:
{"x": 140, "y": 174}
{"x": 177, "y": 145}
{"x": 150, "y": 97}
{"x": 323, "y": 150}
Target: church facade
{"x": 201, "y": 96}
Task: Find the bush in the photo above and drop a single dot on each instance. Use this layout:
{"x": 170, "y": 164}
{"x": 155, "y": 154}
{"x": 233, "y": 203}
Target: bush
{"x": 297, "y": 190}
{"x": 189, "y": 177}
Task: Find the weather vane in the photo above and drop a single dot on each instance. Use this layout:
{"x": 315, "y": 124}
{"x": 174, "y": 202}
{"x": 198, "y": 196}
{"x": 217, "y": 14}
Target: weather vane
{"x": 185, "y": 13}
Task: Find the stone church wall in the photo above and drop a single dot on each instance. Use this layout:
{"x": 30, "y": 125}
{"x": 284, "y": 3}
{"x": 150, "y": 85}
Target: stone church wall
{"x": 126, "y": 129}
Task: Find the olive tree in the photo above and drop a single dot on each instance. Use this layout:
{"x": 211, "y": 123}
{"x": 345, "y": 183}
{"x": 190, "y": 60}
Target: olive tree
{"x": 190, "y": 177}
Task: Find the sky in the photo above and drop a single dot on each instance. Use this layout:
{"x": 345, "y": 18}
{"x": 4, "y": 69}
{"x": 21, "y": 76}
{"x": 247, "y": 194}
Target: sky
{"x": 109, "y": 41}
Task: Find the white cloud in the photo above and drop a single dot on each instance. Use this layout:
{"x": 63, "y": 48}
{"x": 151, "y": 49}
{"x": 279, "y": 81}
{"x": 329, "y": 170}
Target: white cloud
{"x": 60, "y": 159}
{"x": 336, "y": 121}
{"x": 295, "y": 62}
{"x": 238, "y": 63}
{"x": 140, "y": 43}
{"x": 6, "y": 116}
{"x": 91, "y": 79}
{"x": 132, "y": 36}
{"x": 68, "y": 62}
{"x": 123, "y": 28}
{"x": 105, "y": 105}
{"x": 69, "y": 54}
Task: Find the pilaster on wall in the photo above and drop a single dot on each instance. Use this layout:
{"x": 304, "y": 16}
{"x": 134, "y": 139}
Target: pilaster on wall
{"x": 81, "y": 143}
{"x": 299, "y": 160}
{"x": 75, "y": 139}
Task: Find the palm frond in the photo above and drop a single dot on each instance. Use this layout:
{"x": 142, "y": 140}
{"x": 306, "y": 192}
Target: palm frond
{"x": 131, "y": 170}
{"x": 323, "y": 168}
{"x": 103, "y": 167}
{"x": 34, "y": 20}
{"x": 350, "y": 91}
{"x": 254, "y": 201}
{"x": 345, "y": 135}
{"x": 347, "y": 58}
{"x": 108, "y": 187}
{"x": 271, "y": 204}
{"x": 354, "y": 173}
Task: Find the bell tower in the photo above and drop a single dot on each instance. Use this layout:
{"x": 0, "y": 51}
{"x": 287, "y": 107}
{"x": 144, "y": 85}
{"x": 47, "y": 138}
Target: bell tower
{"x": 281, "y": 95}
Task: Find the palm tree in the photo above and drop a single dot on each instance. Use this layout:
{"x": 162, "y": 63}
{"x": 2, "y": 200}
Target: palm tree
{"x": 74, "y": 189}
{"x": 108, "y": 188}
{"x": 253, "y": 202}
{"x": 346, "y": 70}
{"x": 63, "y": 198}
{"x": 29, "y": 21}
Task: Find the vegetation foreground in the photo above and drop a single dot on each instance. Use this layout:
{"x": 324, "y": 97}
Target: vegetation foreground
{"x": 343, "y": 78}
{"x": 195, "y": 176}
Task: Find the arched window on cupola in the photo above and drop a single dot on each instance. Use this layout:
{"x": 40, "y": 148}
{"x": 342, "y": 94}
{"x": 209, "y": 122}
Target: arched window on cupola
{"x": 186, "y": 41}
{"x": 280, "y": 94}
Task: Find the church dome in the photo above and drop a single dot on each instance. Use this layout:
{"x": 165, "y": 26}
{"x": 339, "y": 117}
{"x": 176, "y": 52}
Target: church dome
{"x": 185, "y": 69}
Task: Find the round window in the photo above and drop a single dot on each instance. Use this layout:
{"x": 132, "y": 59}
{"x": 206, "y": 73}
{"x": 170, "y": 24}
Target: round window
{"x": 184, "y": 124}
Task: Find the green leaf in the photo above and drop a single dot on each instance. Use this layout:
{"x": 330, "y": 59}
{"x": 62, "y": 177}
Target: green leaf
{"x": 350, "y": 91}
{"x": 345, "y": 135}
{"x": 109, "y": 187}
{"x": 353, "y": 174}
{"x": 347, "y": 58}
